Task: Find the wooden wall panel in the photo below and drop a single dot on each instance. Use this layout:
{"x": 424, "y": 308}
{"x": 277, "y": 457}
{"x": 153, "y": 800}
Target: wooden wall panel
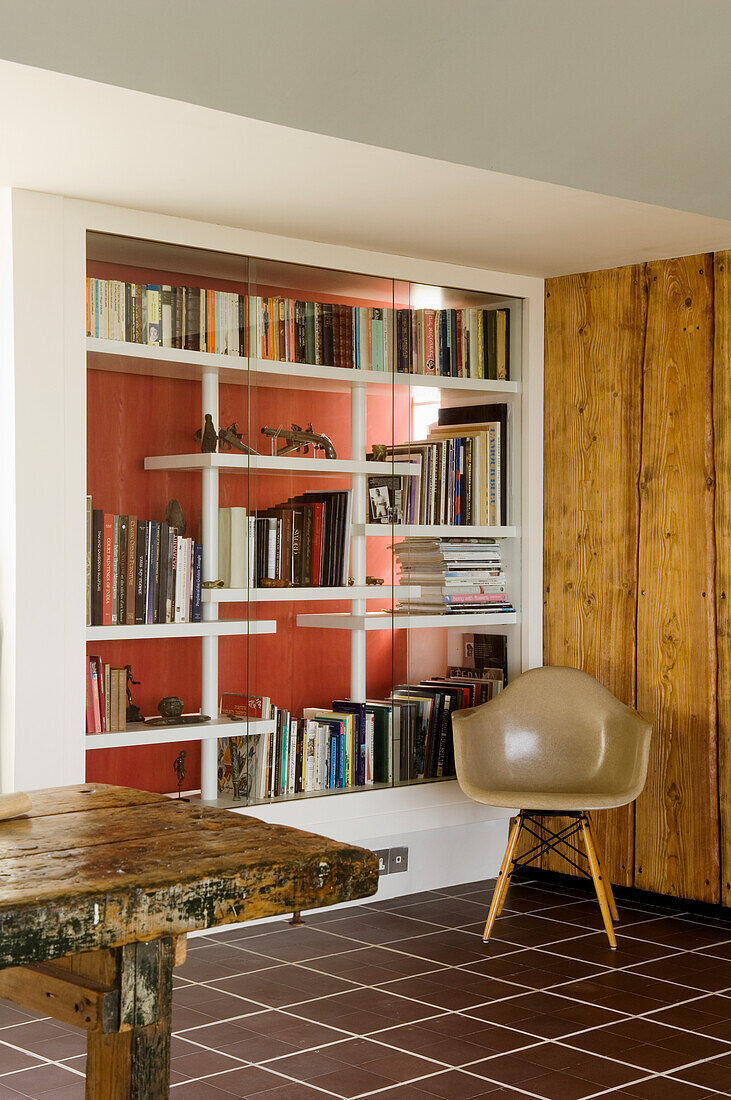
{"x": 595, "y": 328}
{"x": 676, "y": 834}
{"x": 722, "y": 458}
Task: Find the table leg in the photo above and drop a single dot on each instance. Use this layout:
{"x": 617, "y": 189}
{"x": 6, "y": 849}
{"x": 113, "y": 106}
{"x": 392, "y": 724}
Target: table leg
{"x": 134, "y": 1062}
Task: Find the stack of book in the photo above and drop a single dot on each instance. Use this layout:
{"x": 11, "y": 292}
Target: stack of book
{"x": 139, "y": 571}
{"x": 347, "y": 746}
{"x": 167, "y": 316}
{"x": 456, "y": 343}
{"x": 303, "y": 542}
{"x": 460, "y": 478}
{"x": 423, "y": 741}
{"x": 106, "y": 697}
{"x": 404, "y": 738}
{"x": 454, "y": 575}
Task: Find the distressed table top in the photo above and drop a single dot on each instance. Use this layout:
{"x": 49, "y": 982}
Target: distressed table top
{"x": 96, "y": 866}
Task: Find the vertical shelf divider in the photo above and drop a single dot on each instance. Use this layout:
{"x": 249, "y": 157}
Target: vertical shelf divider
{"x": 209, "y": 535}
{"x": 358, "y": 416}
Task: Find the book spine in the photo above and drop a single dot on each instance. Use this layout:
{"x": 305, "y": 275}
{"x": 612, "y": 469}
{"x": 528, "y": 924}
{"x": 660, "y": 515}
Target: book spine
{"x": 197, "y": 577}
{"x": 123, "y": 564}
{"x": 318, "y": 334}
{"x": 162, "y": 573}
{"x": 131, "y": 570}
{"x": 107, "y": 565}
{"x": 115, "y": 570}
{"x": 153, "y": 566}
{"x": 429, "y": 360}
{"x": 97, "y": 566}
{"x": 166, "y": 319}
{"x": 170, "y": 578}
{"x": 140, "y": 572}
{"x": 92, "y": 701}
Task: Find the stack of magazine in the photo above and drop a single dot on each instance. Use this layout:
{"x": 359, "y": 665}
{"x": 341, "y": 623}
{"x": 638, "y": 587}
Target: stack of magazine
{"x": 455, "y": 575}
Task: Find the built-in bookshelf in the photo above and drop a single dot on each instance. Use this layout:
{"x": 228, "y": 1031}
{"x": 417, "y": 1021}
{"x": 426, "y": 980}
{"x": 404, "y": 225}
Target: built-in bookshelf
{"x": 443, "y": 475}
{"x": 301, "y": 647}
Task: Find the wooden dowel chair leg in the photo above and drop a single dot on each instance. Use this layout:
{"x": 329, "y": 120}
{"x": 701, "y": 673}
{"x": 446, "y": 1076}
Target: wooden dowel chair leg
{"x": 605, "y": 876}
{"x": 503, "y": 879}
{"x": 596, "y": 874}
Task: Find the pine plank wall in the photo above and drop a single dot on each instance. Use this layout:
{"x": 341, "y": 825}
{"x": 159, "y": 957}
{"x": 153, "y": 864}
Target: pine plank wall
{"x": 637, "y": 568}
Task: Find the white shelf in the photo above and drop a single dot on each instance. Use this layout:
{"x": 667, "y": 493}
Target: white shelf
{"x": 434, "y": 530}
{"x": 138, "y": 734}
{"x": 328, "y": 467}
{"x": 384, "y": 620}
{"x": 306, "y": 595}
{"x": 227, "y": 803}
{"x": 128, "y": 358}
{"x": 220, "y": 628}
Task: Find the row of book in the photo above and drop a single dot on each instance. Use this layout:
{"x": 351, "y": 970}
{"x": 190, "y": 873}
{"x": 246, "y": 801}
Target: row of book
{"x": 106, "y": 697}
{"x": 321, "y": 750}
{"x": 301, "y": 542}
{"x": 139, "y": 571}
{"x": 457, "y": 343}
{"x": 404, "y": 738}
{"x": 461, "y": 477}
{"x": 453, "y": 575}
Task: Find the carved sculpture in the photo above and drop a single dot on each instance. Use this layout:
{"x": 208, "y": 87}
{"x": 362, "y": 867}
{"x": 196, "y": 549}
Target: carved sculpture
{"x": 208, "y": 437}
{"x": 174, "y": 516}
{"x": 179, "y": 766}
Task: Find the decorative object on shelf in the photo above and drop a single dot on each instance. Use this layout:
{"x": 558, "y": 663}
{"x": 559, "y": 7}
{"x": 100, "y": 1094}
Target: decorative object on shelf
{"x": 374, "y": 581}
{"x": 237, "y": 767}
{"x": 271, "y": 582}
{"x": 133, "y": 711}
{"x": 379, "y": 453}
{"x": 229, "y": 437}
{"x": 171, "y": 706}
{"x": 385, "y": 499}
{"x": 207, "y": 436}
{"x": 213, "y": 584}
{"x": 179, "y": 769}
{"x": 299, "y": 439}
{"x": 174, "y": 516}
{"x": 183, "y": 720}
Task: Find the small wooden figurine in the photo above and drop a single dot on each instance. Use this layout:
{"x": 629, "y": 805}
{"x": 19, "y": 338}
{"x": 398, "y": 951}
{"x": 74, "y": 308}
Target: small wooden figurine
{"x": 174, "y": 516}
{"x": 179, "y": 768}
{"x": 208, "y": 437}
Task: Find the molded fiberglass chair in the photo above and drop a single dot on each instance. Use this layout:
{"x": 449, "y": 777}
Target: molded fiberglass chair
{"x": 558, "y": 744}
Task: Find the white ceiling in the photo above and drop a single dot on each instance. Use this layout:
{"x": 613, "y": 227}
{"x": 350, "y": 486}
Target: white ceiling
{"x": 621, "y": 97}
{"x": 94, "y": 141}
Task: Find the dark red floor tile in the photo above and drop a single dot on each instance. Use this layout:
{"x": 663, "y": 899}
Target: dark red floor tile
{"x": 714, "y": 1076}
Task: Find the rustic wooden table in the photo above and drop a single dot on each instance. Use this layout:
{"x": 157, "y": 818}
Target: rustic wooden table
{"x": 99, "y": 886}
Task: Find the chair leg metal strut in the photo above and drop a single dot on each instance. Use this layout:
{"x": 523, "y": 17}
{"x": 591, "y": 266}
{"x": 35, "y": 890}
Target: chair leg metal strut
{"x": 548, "y": 840}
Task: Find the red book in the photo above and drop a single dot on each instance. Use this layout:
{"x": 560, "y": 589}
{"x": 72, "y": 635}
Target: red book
{"x": 107, "y": 558}
{"x": 90, "y": 687}
{"x": 460, "y": 357}
{"x": 316, "y": 566}
{"x": 429, "y": 353}
{"x": 244, "y": 706}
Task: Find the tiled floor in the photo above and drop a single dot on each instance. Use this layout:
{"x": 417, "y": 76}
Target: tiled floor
{"x": 401, "y": 1000}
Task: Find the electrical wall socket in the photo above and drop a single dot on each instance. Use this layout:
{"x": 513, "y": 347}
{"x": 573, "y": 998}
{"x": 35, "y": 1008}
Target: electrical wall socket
{"x": 391, "y": 860}
{"x": 398, "y": 860}
{"x": 383, "y": 860}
